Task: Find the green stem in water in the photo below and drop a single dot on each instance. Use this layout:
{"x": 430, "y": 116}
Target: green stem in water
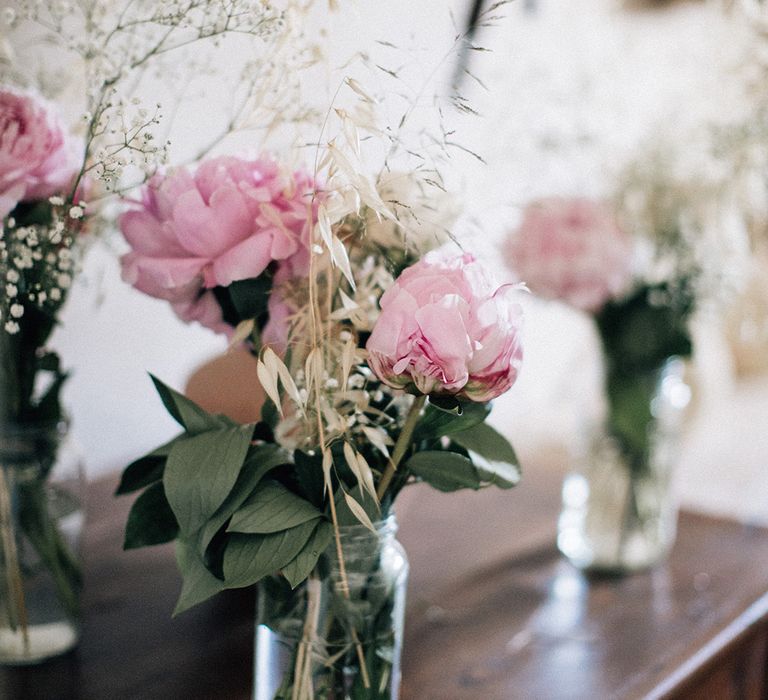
{"x": 402, "y": 445}
{"x": 43, "y": 533}
{"x": 17, "y": 608}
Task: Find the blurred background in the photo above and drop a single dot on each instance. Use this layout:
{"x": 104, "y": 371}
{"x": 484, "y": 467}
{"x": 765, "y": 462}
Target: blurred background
{"x": 574, "y": 92}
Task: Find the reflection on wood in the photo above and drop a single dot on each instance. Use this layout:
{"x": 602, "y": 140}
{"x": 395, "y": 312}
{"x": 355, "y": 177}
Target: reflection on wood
{"x": 494, "y": 613}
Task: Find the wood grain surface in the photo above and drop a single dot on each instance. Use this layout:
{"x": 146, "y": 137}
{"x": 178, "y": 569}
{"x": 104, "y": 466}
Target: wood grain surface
{"x": 493, "y": 613}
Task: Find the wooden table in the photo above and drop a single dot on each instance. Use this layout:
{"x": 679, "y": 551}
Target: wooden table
{"x": 493, "y": 613}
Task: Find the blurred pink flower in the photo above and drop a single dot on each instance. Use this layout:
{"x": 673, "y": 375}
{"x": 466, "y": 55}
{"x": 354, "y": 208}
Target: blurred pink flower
{"x": 227, "y": 222}
{"x": 446, "y": 329}
{"x": 205, "y": 310}
{"x": 37, "y": 157}
{"x": 573, "y": 250}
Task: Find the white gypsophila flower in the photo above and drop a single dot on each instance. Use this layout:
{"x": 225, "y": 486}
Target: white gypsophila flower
{"x": 12, "y": 327}
{"x": 11, "y": 289}
{"x": 12, "y": 276}
{"x": 76, "y": 212}
{"x": 17, "y": 310}
{"x": 55, "y": 294}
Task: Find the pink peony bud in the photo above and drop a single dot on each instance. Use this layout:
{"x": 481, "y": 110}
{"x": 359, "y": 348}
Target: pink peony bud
{"x": 573, "y": 250}
{"x": 446, "y": 329}
{"x": 37, "y": 157}
{"x": 227, "y": 222}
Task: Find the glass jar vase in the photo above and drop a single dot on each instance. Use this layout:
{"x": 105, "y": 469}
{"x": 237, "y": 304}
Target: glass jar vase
{"x": 338, "y": 635}
{"x": 619, "y": 517}
{"x": 41, "y": 522}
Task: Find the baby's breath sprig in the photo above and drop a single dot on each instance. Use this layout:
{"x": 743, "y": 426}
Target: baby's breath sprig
{"x": 117, "y": 48}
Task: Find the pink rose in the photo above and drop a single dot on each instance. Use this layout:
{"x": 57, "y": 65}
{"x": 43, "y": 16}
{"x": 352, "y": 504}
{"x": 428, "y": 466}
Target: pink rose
{"x": 227, "y": 222}
{"x": 37, "y": 157}
{"x": 445, "y": 328}
{"x": 573, "y": 250}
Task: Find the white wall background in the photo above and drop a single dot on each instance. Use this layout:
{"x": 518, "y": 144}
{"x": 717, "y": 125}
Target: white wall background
{"x": 574, "y": 88}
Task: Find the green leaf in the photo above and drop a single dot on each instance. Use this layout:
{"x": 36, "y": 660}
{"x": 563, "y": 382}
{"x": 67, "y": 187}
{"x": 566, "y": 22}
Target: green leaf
{"x": 151, "y": 520}
{"x": 187, "y": 413}
{"x": 250, "y": 297}
{"x": 260, "y": 460}
{"x": 449, "y": 404}
{"x": 49, "y": 406}
{"x": 145, "y": 470}
{"x": 199, "y": 584}
{"x": 437, "y": 422}
{"x": 201, "y": 471}
{"x": 248, "y": 558}
{"x": 445, "y": 471}
{"x": 301, "y": 566}
{"x": 309, "y": 476}
{"x": 492, "y": 454}
{"x": 272, "y": 508}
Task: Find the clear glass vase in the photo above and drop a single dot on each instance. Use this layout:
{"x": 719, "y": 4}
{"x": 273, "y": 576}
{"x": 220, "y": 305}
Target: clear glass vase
{"x": 41, "y": 521}
{"x": 338, "y": 635}
{"x": 618, "y": 518}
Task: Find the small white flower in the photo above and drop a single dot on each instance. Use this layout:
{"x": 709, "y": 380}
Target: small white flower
{"x": 11, "y": 222}
{"x": 42, "y": 297}
{"x": 11, "y": 290}
{"x": 56, "y": 200}
{"x": 55, "y": 294}
{"x": 76, "y": 213}
{"x": 64, "y": 281}
{"x": 12, "y": 276}
{"x": 12, "y": 327}
{"x": 17, "y": 310}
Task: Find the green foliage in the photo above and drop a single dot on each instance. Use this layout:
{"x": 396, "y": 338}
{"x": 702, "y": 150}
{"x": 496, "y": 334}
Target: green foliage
{"x": 245, "y": 299}
{"x": 297, "y": 570}
{"x": 199, "y": 583}
{"x": 437, "y": 422}
{"x": 187, "y": 413}
{"x": 272, "y": 508}
{"x": 639, "y": 334}
{"x": 151, "y": 520}
{"x": 260, "y": 461}
{"x": 249, "y": 558}
{"x": 492, "y": 455}
{"x": 200, "y": 472}
{"x": 476, "y": 456}
{"x": 144, "y": 471}
{"x": 445, "y": 471}
{"x": 242, "y": 508}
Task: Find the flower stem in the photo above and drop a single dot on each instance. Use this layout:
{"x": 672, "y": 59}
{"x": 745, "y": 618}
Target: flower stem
{"x": 17, "y": 607}
{"x": 402, "y": 445}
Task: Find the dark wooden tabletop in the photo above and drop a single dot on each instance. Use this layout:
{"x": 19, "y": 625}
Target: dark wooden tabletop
{"x": 493, "y": 612}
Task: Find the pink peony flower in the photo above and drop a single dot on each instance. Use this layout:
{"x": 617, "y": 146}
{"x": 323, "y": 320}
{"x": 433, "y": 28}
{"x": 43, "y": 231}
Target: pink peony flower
{"x": 445, "y": 329}
{"x": 227, "y": 222}
{"x": 205, "y": 310}
{"x": 573, "y": 250}
{"x": 37, "y": 157}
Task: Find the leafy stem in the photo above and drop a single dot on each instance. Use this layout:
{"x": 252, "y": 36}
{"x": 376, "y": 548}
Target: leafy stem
{"x": 401, "y": 446}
